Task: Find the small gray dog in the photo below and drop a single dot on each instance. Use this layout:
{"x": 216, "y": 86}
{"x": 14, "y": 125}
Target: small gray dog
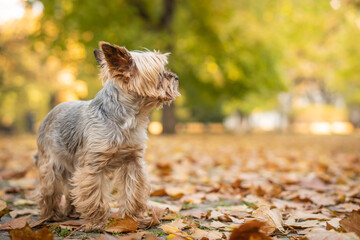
{"x": 81, "y": 142}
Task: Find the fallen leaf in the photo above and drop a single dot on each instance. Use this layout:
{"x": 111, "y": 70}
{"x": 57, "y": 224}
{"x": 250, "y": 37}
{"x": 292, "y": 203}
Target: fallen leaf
{"x": 70, "y": 224}
{"x": 333, "y": 224}
{"x": 194, "y": 213}
{"x": 107, "y": 236}
{"x": 271, "y": 216}
{"x": 249, "y": 231}
{"x": 24, "y": 202}
{"x": 352, "y": 222}
{"x": 321, "y": 234}
{"x": 26, "y": 233}
{"x": 175, "y": 228}
{"x": 179, "y": 223}
{"x": 159, "y": 193}
{"x": 217, "y": 224}
{"x": 308, "y": 215}
{"x": 13, "y": 174}
{"x": 25, "y": 211}
{"x": 3, "y": 208}
{"x": 16, "y": 223}
{"x": 172, "y": 208}
{"x": 205, "y": 234}
{"x": 304, "y": 224}
{"x": 117, "y": 225}
{"x": 347, "y": 207}
{"x": 217, "y": 215}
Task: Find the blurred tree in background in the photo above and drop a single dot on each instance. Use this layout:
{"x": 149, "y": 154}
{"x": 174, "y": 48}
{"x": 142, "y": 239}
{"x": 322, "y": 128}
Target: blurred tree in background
{"x": 213, "y": 50}
{"x": 229, "y": 55}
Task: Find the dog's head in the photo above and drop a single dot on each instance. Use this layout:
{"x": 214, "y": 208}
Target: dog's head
{"x": 139, "y": 72}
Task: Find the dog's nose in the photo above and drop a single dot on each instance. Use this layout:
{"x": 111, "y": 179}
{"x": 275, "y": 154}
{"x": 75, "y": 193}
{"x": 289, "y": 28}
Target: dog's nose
{"x": 176, "y": 78}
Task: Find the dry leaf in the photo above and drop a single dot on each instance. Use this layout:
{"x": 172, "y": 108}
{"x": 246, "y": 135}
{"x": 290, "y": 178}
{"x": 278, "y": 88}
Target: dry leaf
{"x": 333, "y": 224}
{"x": 352, "y": 222}
{"x": 26, "y": 233}
{"x": 194, "y": 213}
{"x": 172, "y": 208}
{"x": 117, "y": 225}
{"x": 175, "y": 228}
{"x": 24, "y": 202}
{"x": 204, "y": 234}
{"x": 271, "y": 216}
{"x": 249, "y": 231}
{"x": 3, "y": 208}
{"x": 217, "y": 224}
{"x": 159, "y": 193}
{"x": 321, "y": 234}
{"x": 308, "y": 215}
{"x": 14, "y": 174}
{"x": 16, "y": 223}
{"x": 346, "y": 207}
{"x": 25, "y": 211}
{"x": 71, "y": 224}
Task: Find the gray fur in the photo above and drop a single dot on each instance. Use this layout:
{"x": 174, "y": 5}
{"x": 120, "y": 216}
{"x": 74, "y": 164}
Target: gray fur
{"x": 81, "y": 142}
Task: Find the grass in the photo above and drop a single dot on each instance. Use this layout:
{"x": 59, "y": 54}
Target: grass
{"x": 61, "y": 232}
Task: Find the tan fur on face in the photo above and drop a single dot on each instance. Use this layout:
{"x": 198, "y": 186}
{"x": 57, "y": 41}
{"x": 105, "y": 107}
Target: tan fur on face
{"x": 145, "y": 69}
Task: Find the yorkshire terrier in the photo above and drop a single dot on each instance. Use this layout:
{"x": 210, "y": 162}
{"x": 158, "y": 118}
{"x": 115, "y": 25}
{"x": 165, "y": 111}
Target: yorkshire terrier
{"x": 81, "y": 142}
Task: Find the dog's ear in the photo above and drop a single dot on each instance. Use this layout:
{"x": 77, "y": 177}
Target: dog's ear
{"x": 99, "y": 56}
{"x": 117, "y": 58}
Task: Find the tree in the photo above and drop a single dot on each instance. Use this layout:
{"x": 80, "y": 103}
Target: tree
{"x": 214, "y": 52}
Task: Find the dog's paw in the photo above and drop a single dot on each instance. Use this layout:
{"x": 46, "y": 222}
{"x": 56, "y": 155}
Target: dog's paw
{"x": 99, "y": 227}
{"x": 145, "y": 222}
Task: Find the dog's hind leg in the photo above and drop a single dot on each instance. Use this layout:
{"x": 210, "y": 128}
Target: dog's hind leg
{"x": 50, "y": 189}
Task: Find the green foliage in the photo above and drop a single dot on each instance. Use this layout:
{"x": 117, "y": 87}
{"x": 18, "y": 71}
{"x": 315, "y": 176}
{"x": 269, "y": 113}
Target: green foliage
{"x": 213, "y": 51}
{"x": 228, "y": 54}
{"x": 61, "y": 232}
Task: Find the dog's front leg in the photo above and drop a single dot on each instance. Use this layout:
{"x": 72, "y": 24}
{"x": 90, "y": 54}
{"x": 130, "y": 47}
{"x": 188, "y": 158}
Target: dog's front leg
{"x": 134, "y": 189}
{"x": 90, "y": 193}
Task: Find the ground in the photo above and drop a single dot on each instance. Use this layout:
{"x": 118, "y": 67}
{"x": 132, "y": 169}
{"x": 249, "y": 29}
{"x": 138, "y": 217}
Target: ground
{"x": 275, "y": 186}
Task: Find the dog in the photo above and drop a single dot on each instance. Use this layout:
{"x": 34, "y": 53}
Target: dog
{"x": 80, "y": 143}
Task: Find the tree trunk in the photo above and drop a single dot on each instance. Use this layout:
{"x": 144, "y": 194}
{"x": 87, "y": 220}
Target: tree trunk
{"x": 168, "y": 119}
{"x": 163, "y": 25}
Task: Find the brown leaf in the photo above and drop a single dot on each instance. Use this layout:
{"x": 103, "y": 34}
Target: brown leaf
{"x": 26, "y": 233}
{"x": 204, "y": 234}
{"x": 346, "y": 207}
{"x": 248, "y": 231}
{"x": 175, "y": 228}
{"x": 3, "y": 208}
{"x": 25, "y": 211}
{"x": 16, "y": 223}
{"x": 217, "y": 224}
{"x": 271, "y": 216}
{"x": 159, "y": 193}
{"x": 71, "y": 224}
{"x": 126, "y": 224}
{"x": 172, "y": 208}
{"x": 194, "y": 213}
{"x": 352, "y": 222}
{"x": 106, "y": 237}
{"x": 321, "y": 234}
{"x": 13, "y": 174}
{"x": 308, "y": 215}
{"x": 225, "y": 218}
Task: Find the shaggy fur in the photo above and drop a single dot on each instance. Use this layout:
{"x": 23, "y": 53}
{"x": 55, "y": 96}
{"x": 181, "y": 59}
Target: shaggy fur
{"x": 81, "y": 142}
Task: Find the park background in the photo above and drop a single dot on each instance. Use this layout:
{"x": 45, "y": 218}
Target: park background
{"x": 253, "y": 65}
{"x": 264, "y": 140}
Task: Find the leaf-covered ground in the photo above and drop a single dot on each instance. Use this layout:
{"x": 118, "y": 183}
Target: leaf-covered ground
{"x": 208, "y": 186}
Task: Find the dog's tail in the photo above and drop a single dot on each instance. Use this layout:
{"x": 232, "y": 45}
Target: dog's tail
{"x": 36, "y": 159}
